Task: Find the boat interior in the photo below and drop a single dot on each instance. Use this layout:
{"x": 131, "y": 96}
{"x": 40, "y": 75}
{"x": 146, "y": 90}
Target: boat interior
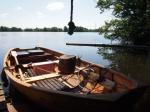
{"x": 40, "y": 67}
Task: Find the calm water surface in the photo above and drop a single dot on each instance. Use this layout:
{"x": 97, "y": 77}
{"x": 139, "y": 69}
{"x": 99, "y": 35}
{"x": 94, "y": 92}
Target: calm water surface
{"x": 135, "y": 64}
{"x": 55, "y": 41}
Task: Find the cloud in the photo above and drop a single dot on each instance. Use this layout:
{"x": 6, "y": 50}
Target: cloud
{"x": 55, "y": 6}
{"x": 19, "y": 8}
{"x": 4, "y": 15}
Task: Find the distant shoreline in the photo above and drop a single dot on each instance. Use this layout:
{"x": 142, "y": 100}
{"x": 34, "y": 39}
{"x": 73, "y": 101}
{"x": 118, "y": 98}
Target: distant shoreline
{"x": 45, "y": 29}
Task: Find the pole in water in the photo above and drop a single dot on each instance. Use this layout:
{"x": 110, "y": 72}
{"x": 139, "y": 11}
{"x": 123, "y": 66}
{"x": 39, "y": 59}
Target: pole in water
{"x": 71, "y": 24}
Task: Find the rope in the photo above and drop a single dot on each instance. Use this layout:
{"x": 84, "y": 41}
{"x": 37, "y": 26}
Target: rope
{"x": 71, "y": 23}
{"x": 71, "y": 14}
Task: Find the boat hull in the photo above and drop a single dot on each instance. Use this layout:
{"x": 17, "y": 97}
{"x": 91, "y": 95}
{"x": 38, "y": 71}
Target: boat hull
{"x": 57, "y": 102}
{"x": 65, "y": 101}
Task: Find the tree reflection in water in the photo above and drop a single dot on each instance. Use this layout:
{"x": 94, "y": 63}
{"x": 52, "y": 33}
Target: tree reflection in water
{"x": 135, "y": 64}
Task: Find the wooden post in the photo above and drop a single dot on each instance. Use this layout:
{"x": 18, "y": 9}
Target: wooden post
{"x": 112, "y": 45}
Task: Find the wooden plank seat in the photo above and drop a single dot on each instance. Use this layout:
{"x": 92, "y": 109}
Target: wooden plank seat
{"x": 25, "y": 57}
{"x": 35, "y": 58}
{"x": 41, "y": 63}
{"x": 41, "y": 77}
{"x": 29, "y": 53}
{"x": 21, "y": 54}
{"x": 36, "y": 52}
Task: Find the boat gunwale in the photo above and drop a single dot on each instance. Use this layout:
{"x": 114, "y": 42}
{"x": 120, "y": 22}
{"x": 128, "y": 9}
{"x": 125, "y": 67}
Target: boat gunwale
{"x": 111, "y": 97}
{"x": 104, "y": 97}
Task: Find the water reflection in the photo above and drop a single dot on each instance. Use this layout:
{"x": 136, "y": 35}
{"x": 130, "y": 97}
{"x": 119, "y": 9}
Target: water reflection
{"x": 133, "y": 63}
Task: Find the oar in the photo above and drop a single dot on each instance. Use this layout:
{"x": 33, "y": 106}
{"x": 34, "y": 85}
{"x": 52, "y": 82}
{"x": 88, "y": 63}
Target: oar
{"x": 14, "y": 54}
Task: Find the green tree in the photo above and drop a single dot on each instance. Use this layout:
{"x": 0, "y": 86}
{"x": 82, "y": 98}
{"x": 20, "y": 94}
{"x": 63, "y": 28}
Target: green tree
{"x": 28, "y": 30}
{"x": 81, "y": 29}
{"x": 3, "y": 28}
{"x": 15, "y": 29}
{"x": 55, "y": 29}
{"x": 132, "y": 23}
{"x": 65, "y": 29}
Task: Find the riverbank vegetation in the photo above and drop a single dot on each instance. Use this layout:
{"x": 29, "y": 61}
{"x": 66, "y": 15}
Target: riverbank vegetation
{"x": 131, "y": 23}
{"x": 45, "y": 29}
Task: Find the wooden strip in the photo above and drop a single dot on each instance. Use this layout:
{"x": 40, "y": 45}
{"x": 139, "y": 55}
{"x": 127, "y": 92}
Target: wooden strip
{"x": 41, "y": 77}
{"x": 53, "y": 84}
{"x": 2, "y": 98}
{"x": 39, "y": 84}
{"x": 34, "y": 84}
{"x": 45, "y": 85}
{"x": 50, "y": 86}
{"x": 65, "y": 83}
{"x": 11, "y": 108}
{"x": 59, "y": 82}
{"x": 1, "y": 92}
{"x": 56, "y": 84}
{"x": 40, "y": 63}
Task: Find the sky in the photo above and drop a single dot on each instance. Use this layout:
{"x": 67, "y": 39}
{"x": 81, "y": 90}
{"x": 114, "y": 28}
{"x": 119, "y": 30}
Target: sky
{"x": 49, "y": 13}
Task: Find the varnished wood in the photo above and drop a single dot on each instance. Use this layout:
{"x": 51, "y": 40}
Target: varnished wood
{"x": 47, "y": 89}
{"x": 14, "y": 54}
{"x": 41, "y": 77}
{"x": 49, "y": 85}
{"x": 40, "y": 63}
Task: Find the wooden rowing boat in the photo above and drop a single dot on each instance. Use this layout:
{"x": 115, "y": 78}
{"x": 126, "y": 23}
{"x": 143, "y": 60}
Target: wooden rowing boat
{"x": 63, "y": 82}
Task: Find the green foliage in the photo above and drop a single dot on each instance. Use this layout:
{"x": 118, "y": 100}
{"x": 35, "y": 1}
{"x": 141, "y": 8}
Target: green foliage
{"x": 128, "y": 61}
{"x": 55, "y": 29}
{"x": 115, "y": 29}
{"x": 132, "y": 21}
{"x": 52, "y": 29}
{"x": 3, "y": 28}
{"x": 65, "y": 29}
{"x": 81, "y": 29}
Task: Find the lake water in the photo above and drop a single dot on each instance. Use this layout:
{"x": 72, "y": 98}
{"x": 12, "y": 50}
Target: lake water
{"x": 135, "y": 64}
{"x": 55, "y": 41}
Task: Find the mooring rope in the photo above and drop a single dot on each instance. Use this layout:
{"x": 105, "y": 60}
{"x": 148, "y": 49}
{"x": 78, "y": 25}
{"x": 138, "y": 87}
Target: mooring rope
{"x": 71, "y": 23}
{"x": 71, "y": 13}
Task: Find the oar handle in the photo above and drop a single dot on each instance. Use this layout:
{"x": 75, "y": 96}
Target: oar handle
{"x": 14, "y": 54}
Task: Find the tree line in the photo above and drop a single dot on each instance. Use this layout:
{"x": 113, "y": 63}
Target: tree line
{"x": 45, "y": 29}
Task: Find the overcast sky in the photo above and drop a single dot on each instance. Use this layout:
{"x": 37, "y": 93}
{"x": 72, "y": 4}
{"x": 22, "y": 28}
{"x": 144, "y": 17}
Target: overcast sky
{"x": 48, "y": 13}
